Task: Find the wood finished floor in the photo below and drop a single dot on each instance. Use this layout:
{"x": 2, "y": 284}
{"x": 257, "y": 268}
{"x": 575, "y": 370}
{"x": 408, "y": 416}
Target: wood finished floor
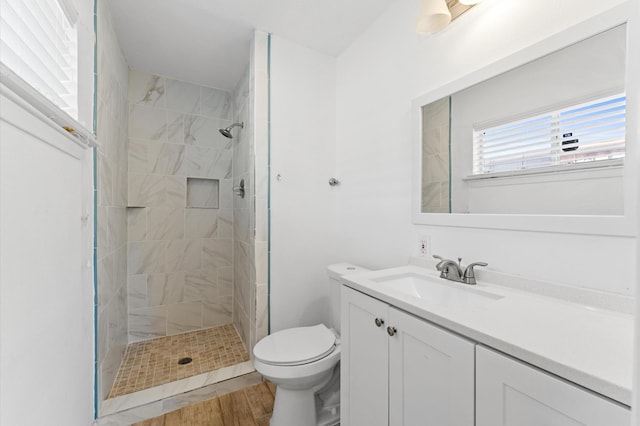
{"x": 251, "y": 406}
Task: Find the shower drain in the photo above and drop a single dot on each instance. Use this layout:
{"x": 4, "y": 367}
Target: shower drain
{"x": 184, "y": 361}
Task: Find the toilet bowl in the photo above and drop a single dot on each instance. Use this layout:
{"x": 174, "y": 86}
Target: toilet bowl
{"x": 301, "y": 361}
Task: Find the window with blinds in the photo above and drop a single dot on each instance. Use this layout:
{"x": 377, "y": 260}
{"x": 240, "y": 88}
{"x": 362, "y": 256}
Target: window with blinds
{"x": 38, "y": 41}
{"x": 585, "y": 133}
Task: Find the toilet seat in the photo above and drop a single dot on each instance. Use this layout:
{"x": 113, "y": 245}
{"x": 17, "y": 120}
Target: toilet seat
{"x": 296, "y": 346}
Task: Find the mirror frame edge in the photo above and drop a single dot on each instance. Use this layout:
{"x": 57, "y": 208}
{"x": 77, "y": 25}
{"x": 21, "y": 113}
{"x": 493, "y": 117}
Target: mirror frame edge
{"x": 625, "y": 225}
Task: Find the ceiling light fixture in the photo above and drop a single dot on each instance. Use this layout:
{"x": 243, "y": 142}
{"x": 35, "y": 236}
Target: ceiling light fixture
{"x": 434, "y": 16}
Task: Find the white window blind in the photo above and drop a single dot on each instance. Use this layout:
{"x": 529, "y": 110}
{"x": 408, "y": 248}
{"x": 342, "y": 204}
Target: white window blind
{"x": 39, "y": 43}
{"x": 583, "y": 133}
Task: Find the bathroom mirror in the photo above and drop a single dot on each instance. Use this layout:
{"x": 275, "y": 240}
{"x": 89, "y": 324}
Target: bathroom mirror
{"x": 536, "y": 141}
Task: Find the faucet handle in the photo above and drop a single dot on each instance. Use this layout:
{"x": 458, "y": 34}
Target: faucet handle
{"x": 441, "y": 259}
{"x": 469, "y": 276}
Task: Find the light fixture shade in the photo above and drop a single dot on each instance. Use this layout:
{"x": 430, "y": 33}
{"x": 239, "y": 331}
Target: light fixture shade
{"x": 469, "y": 2}
{"x": 434, "y": 16}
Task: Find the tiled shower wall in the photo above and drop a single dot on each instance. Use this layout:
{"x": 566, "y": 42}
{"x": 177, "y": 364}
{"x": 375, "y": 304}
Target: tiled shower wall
{"x": 180, "y": 258}
{"x": 111, "y": 201}
{"x": 259, "y": 107}
{"x": 242, "y": 209}
{"x": 250, "y": 162}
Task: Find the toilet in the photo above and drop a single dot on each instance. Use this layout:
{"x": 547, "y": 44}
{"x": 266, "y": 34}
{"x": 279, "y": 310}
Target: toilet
{"x": 303, "y": 363}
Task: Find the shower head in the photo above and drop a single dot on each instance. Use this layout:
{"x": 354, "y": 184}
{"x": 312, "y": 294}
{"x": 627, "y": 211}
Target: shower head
{"x": 226, "y": 132}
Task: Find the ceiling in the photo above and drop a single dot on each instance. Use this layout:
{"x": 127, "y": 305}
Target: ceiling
{"x": 207, "y": 41}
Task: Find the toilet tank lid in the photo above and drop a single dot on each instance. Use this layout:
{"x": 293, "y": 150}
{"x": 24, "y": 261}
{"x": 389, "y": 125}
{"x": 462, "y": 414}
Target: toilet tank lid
{"x": 338, "y": 270}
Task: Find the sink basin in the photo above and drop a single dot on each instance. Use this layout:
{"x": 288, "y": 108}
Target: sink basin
{"x": 436, "y": 290}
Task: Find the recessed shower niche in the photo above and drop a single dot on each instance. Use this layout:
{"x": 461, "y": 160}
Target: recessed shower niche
{"x": 203, "y": 193}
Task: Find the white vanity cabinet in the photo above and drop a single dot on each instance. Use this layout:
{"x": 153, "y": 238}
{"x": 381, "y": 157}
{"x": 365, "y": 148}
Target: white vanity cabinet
{"x": 399, "y": 370}
{"x": 511, "y": 393}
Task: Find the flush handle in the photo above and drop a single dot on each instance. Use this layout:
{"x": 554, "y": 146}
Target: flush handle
{"x": 391, "y": 331}
{"x": 379, "y": 322}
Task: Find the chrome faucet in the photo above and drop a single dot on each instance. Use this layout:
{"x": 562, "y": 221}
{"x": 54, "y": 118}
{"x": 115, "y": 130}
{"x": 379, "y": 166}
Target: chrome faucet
{"x": 452, "y": 270}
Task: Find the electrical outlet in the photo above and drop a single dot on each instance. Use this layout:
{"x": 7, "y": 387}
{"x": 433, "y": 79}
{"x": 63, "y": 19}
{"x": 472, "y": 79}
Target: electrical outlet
{"x": 424, "y": 246}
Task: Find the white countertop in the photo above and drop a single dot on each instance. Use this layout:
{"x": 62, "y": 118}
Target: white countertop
{"x": 589, "y": 346}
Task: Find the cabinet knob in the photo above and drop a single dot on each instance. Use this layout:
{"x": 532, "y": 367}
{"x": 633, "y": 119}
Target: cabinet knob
{"x": 391, "y": 331}
{"x": 379, "y": 322}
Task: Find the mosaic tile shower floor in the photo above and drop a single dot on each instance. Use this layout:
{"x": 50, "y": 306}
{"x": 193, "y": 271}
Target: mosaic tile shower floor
{"x": 155, "y": 362}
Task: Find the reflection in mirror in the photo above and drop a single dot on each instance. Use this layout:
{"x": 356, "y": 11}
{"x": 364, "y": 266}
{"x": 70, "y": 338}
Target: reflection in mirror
{"x": 435, "y": 157}
{"x": 545, "y": 138}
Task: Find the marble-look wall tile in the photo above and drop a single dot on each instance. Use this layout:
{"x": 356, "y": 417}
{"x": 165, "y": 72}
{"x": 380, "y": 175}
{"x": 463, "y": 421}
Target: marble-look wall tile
{"x": 166, "y": 159}
{"x": 241, "y": 321}
{"x": 175, "y": 127}
{"x": 147, "y": 323}
{"x": 201, "y": 285}
{"x": 116, "y": 227}
{"x": 109, "y": 369}
{"x": 148, "y": 123}
{"x": 217, "y": 313}
{"x": 437, "y": 167}
{"x": 138, "y": 155}
{"x": 136, "y": 224}
{"x": 431, "y": 197}
{"x": 106, "y": 279}
{"x": 226, "y": 193}
{"x": 122, "y": 327}
{"x": 149, "y": 157}
{"x": 112, "y": 162}
{"x": 242, "y": 275}
{"x": 225, "y": 281}
{"x": 146, "y": 190}
{"x": 137, "y": 291}
{"x": 208, "y": 162}
{"x": 165, "y": 223}
{"x": 165, "y": 289}
{"x": 102, "y": 234}
{"x": 146, "y": 257}
{"x": 261, "y": 262}
{"x": 146, "y": 89}
{"x": 203, "y": 131}
{"x": 176, "y": 191}
{"x": 241, "y": 222}
{"x": 262, "y": 320}
{"x": 216, "y": 103}
{"x": 218, "y": 253}
{"x": 241, "y": 159}
{"x": 261, "y": 219}
{"x": 182, "y": 96}
{"x": 225, "y": 223}
{"x": 201, "y": 223}
{"x": 105, "y": 179}
{"x": 184, "y": 255}
{"x": 183, "y": 317}
{"x": 121, "y": 261}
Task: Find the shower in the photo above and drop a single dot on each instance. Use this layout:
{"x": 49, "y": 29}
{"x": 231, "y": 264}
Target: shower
{"x": 227, "y": 131}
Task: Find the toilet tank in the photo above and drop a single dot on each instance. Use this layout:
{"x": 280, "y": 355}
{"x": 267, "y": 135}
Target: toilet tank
{"x": 335, "y": 272}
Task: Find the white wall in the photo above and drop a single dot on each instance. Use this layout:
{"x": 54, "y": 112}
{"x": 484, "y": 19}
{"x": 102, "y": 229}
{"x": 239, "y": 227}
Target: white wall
{"x": 46, "y": 291}
{"x": 302, "y": 202}
{"x": 377, "y": 78}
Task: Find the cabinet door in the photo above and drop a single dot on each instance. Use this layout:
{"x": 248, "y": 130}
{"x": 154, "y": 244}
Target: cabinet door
{"x": 431, "y": 374}
{"x": 364, "y": 377}
{"x": 511, "y": 393}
